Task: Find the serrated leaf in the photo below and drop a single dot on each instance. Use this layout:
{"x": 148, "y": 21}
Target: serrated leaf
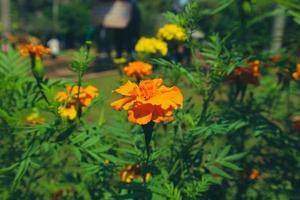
{"x": 218, "y": 171}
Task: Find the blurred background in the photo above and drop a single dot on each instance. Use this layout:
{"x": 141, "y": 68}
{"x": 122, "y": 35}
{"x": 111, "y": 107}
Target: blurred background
{"x": 115, "y": 25}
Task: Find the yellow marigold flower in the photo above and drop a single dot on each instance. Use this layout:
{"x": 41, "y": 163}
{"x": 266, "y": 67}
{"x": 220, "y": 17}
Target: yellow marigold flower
{"x": 70, "y": 98}
{"x": 151, "y": 46}
{"x": 296, "y": 74}
{"x": 34, "y": 119}
{"x": 119, "y": 61}
{"x": 172, "y": 32}
{"x": 148, "y": 101}
{"x": 33, "y": 50}
{"x": 138, "y": 69}
{"x": 67, "y": 112}
{"x": 134, "y": 172}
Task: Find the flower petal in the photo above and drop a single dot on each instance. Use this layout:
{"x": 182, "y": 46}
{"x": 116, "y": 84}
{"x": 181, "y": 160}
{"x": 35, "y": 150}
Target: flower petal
{"x": 140, "y": 113}
{"x": 124, "y": 103}
{"x": 128, "y": 89}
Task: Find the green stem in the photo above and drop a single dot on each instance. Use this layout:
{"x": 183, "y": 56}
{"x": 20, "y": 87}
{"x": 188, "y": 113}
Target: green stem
{"x": 38, "y": 80}
{"x": 148, "y": 131}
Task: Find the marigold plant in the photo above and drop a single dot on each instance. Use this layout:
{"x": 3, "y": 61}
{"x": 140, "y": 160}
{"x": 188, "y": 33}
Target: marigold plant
{"x": 151, "y": 46}
{"x": 134, "y": 172}
{"x": 171, "y": 32}
{"x": 138, "y": 69}
{"x": 34, "y": 50}
{"x": 74, "y": 95}
{"x": 246, "y": 75}
{"x": 149, "y": 101}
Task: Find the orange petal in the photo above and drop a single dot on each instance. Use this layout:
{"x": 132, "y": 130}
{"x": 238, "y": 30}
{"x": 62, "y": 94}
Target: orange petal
{"x": 61, "y": 96}
{"x": 128, "y": 89}
{"x": 124, "y": 103}
{"x": 140, "y": 114}
{"x": 160, "y": 114}
{"x": 170, "y": 97}
{"x": 91, "y": 91}
{"x": 157, "y": 82}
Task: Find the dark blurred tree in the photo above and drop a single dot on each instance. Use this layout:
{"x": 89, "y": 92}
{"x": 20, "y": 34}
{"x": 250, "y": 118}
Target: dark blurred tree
{"x": 74, "y": 21}
{"x": 5, "y": 16}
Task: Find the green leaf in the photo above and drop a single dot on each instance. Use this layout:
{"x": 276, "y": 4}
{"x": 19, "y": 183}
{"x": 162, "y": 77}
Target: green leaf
{"x": 234, "y": 157}
{"x": 20, "y": 173}
{"x": 218, "y": 171}
{"x": 90, "y": 142}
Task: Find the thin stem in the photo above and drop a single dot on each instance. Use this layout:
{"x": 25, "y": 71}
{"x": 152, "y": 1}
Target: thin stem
{"x": 38, "y": 80}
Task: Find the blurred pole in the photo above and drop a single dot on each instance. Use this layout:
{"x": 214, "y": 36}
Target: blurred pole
{"x": 278, "y": 30}
{"x": 55, "y": 16}
{"x": 5, "y": 17}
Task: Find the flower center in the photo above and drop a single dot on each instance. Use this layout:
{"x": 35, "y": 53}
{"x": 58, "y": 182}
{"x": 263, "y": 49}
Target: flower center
{"x": 148, "y": 91}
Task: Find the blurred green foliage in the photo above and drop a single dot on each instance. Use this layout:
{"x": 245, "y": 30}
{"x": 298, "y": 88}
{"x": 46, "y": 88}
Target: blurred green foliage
{"x": 230, "y": 140}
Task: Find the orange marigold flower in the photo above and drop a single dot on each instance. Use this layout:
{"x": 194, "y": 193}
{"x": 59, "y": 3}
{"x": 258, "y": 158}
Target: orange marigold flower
{"x": 296, "y": 74}
{"x": 253, "y": 174}
{"x": 33, "y": 50}
{"x": 70, "y": 98}
{"x": 132, "y": 172}
{"x": 148, "y": 101}
{"x": 246, "y": 75}
{"x": 138, "y": 69}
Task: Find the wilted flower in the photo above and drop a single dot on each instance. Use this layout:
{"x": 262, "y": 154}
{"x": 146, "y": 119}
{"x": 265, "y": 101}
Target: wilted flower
{"x": 132, "y": 172}
{"x": 33, "y": 50}
{"x": 296, "y": 74}
{"x": 70, "y": 99}
{"x": 171, "y": 32}
{"x": 138, "y": 69}
{"x": 246, "y": 75}
{"x": 148, "y": 101}
{"x": 151, "y": 46}
{"x": 253, "y": 174}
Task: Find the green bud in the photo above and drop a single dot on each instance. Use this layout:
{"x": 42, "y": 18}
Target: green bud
{"x": 38, "y": 69}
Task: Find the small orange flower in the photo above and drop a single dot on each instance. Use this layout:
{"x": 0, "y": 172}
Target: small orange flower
{"x": 34, "y": 119}
{"x": 33, "y": 50}
{"x": 253, "y": 174}
{"x": 70, "y": 98}
{"x": 148, "y": 101}
{"x": 296, "y": 74}
{"x": 296, "y": 124}
{"x": 275, "y": 58}
{"x": 246, "y": 75}
{"x": 138, "y": 69}
{"x": 132, "y": 172}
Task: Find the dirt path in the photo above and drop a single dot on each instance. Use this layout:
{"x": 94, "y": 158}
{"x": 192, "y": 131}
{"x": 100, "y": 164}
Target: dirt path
{"x": 60, "y": 67}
